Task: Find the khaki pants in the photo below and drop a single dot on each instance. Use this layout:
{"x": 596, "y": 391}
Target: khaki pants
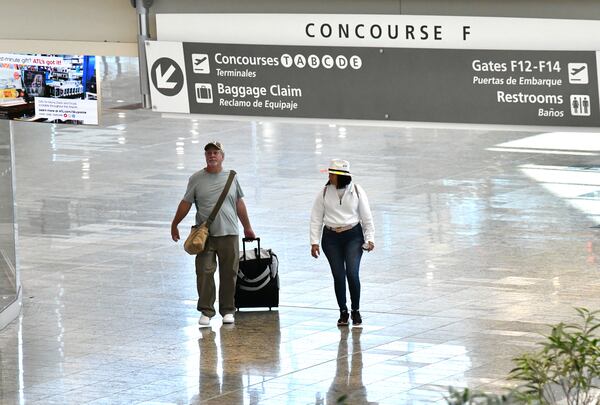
{"x": 226, "y": 248}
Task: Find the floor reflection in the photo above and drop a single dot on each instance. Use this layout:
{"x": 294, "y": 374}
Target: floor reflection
{"x": 347, "y": 386}
{"x": 235, "y": 360}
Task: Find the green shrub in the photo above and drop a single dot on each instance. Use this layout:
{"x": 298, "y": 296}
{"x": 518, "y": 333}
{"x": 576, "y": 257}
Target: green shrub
{"x": 566, "y": 370}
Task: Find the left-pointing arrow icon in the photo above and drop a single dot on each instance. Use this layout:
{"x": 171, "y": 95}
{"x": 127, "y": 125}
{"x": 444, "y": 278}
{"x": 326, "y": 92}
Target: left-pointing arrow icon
{"x": 162, "y": 80}
{"x": 167, "y": 76}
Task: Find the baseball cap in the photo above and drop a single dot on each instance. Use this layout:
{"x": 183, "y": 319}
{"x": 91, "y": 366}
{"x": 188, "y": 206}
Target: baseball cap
{"x": 215, "y": 144}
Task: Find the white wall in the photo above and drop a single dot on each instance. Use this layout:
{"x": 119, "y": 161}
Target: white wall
{"x": 92, "y": 27}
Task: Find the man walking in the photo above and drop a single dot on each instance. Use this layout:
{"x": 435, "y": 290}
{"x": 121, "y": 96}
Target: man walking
{"x": 203, "y": 190}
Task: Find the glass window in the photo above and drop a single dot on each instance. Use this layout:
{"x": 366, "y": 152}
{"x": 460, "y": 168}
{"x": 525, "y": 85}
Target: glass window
{"x": 8, "y": 273}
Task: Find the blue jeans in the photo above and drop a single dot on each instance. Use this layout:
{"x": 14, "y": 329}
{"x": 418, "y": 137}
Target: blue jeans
{"x": 344, "y": 251}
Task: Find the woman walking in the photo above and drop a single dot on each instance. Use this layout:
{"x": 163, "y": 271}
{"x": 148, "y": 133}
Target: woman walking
{"x": 342, "y": 216}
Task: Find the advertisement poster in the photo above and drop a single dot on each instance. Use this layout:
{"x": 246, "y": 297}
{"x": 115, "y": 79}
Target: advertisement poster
{"x": 49, "y": 88}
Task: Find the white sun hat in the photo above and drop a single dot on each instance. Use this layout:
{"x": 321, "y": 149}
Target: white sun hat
{"x": 340, "y": 167}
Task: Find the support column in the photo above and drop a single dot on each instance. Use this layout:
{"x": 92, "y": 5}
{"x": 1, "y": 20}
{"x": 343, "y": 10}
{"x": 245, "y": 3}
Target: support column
{"x": 143, "y": 9}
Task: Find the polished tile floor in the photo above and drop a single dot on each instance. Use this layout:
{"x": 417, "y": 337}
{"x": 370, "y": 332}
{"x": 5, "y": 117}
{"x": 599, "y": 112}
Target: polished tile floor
{"x": 483, "y": 237}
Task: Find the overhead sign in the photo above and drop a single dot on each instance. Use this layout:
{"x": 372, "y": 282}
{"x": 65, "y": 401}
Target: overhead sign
{"x": 387, "y": 31}
{"x": 49, "y": 88}
{"x": 544, "y": 88}
{"x": 166, "y": 68}
{"x": 167, "y": 76}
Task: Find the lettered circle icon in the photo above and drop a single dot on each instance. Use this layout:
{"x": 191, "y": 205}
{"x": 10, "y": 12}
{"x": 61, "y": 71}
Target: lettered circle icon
{"x": 341, "y": 62}
{"x": 300, "y": 61}
{"x": 167, "y": 76}
{"x": 287, "y": 60}
{"x": 355, "y": 62}
{"x": 327, "y": 61}
{"x": 313, "y": 61}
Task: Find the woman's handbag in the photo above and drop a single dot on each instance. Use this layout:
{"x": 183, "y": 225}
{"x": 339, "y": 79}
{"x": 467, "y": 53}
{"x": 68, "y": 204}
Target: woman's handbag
{"x": 196, "y": 241}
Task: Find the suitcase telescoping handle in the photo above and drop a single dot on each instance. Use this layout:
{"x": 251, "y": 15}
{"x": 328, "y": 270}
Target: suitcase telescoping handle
{"x": 257, "y": 251}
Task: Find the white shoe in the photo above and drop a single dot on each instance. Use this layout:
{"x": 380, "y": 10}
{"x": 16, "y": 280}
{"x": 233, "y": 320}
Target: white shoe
{"x": 204, "y": 321}
{"x": 228, "y": 318}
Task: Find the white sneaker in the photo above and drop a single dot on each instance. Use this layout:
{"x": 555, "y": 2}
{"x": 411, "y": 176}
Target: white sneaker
{"x": 228, "y": 318}
{"x": 204, "y": 321}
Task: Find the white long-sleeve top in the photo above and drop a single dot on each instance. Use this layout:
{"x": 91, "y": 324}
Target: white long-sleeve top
{"x": 331, "y": 210}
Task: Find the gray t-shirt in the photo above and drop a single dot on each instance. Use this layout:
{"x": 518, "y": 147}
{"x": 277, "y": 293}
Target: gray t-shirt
{"x": 203, "y": 190}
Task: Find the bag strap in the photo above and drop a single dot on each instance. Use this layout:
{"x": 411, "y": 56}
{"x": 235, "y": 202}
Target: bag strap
{"x": 217, "y": 206}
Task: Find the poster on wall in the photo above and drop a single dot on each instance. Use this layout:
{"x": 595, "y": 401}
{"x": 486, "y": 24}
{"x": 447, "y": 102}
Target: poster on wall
{"x": 49, "y": 88}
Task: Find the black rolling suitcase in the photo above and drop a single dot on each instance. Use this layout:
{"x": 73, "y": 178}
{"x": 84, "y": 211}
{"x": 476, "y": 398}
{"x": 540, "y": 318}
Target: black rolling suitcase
{"x": 258, "y": 279}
